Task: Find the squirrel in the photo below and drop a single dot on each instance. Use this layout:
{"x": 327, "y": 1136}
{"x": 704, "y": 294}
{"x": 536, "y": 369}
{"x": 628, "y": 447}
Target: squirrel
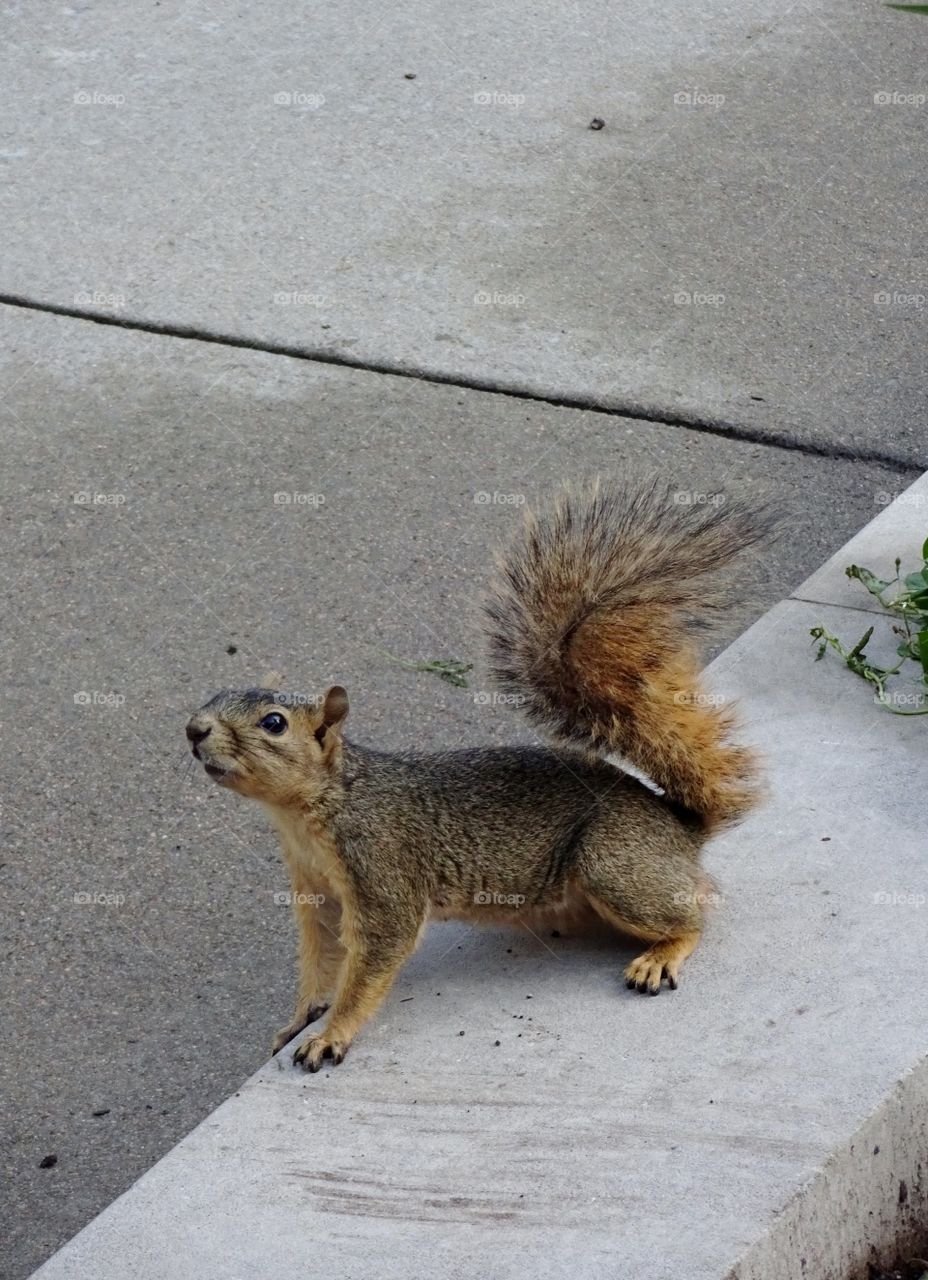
{"x": 592, "y": 624}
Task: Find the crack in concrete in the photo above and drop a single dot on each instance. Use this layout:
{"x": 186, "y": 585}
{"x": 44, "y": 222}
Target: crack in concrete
{"x": 631, "y": 411}
{"x": 875, "y": 612}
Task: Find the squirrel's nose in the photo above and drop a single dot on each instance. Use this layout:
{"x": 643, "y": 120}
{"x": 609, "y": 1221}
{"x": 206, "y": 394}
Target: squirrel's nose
{"x": 195, "y": 734}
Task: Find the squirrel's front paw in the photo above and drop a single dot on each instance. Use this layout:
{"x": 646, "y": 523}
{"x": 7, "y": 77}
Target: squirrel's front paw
{"x": 311, "y": 1052}
{"x": 296, "y": 1025}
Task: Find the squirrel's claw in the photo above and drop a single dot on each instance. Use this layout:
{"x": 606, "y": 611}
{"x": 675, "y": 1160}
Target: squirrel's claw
{"x": 663, "y": 960}
{"x": 286, "y": 1034}
{"x": 646, "y": 974}
{"x": 312, "y": 1052}
{"x": 651, "y": 988}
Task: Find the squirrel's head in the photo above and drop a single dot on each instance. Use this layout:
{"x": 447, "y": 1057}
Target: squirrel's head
{"x": 271, "y": 746}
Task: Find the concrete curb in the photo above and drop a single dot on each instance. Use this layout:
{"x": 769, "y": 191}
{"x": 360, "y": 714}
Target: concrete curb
{"x": 769, "y": 1120}
{"x": 866, "y": 1205}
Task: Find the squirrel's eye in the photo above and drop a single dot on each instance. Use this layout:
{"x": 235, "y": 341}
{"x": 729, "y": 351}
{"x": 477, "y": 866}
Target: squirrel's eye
{"x": 274, "y": 723}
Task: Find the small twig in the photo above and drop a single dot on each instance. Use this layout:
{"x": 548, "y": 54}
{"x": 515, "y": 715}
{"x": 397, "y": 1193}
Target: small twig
{"x": 449, "y": 669}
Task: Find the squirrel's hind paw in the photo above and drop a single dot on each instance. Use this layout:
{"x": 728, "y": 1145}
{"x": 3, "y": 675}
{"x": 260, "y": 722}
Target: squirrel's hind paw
{"x": 664, "y": 959}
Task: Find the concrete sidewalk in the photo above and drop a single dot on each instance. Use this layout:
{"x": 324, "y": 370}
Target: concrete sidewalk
{"x": 740, "y": 246}
{"x": 514, "y": 1112}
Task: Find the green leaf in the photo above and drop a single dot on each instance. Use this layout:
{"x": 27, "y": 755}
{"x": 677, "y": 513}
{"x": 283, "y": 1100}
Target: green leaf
{"x": 925, "y": 551}
{"x": 917, "y": 581}
{"x": 922, "y": 641}
{"x": 858, "y": 650}
{"x": 876, "y": 586}
{"x": 819, "y": 633}
{"x": 909, "y": 8}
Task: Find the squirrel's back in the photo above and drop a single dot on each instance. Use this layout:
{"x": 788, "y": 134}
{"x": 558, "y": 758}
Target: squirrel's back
{"x": 595, "y": 618}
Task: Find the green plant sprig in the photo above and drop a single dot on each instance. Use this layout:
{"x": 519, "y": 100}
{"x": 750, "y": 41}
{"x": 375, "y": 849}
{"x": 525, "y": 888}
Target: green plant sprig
{"x": 909, "y": 607}
{"x": 449, "y": 669}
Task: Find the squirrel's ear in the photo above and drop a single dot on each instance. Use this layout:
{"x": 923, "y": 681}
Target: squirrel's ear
{"x": 334, "y": 709}
{"x": 334, "y": 706}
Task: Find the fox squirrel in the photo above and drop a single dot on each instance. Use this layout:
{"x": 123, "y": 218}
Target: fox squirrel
{"x": 591, "y": 626}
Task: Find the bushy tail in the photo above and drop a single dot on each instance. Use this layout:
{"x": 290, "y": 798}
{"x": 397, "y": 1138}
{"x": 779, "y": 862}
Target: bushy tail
{"x": 595, "y": 617}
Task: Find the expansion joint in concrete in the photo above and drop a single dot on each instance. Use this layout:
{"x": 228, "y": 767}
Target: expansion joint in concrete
{"x": 629, "y": 411}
